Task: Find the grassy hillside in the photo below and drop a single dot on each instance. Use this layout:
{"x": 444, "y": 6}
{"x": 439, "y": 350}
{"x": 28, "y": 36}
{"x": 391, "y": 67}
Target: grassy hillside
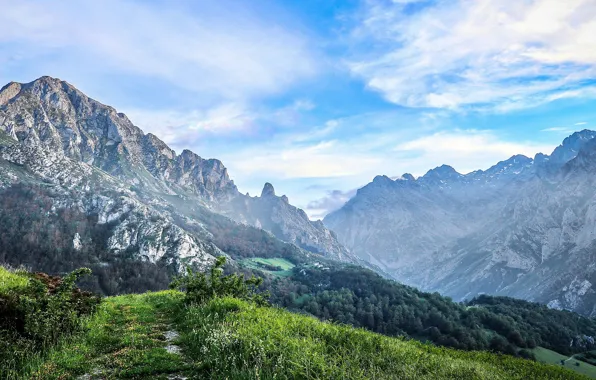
{"x": 550, "y": 357}
{"x": 154, "y": 335}
{"x": 11, "y": 280}
{"x": 276, "y": 266}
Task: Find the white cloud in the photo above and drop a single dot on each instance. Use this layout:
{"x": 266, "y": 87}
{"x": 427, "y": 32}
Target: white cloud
{"x": 459, "y": 52}
{"x": 299, "y": 159}
{"x": 557, "y": 129}
{"x": 465, "y": 150}
{"x": 218, "y": 49}
{"x": 333, "y": 200}
{"x": 183, "y": 128}
{"x": 581, "y": 123}
{"x": 322, "y": 160}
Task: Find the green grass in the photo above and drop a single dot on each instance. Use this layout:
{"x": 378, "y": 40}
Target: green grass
{"x": 10, "y": 280}
{"x": 284, "y": 264}
{"x": 232, "y": 339}
{"x": 229, "y": 338}
{"x": 126, "y": 338}
{"x": 551, "y": 357}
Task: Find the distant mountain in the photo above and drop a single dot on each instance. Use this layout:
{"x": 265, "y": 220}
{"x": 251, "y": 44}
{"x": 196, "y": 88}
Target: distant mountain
{"x": 127, "y": 194}
{"x": 526, "y": 227}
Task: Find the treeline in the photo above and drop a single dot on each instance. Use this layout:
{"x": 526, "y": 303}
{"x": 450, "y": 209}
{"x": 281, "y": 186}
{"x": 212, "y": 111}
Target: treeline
{"x": 359, "y": 297}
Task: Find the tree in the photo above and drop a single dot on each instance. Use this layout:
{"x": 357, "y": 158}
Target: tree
{"x": 200, "y": 287}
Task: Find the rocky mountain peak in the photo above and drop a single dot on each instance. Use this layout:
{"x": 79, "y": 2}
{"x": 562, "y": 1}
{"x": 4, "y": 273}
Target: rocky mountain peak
{"x": 268, "y": 190}
{"x": 55, "y": 114}
{"x": 382, "y": 180}
{"x": 513, "y": 165}
{"x": 571, "y": 146}
{"x": 443, "y": 172}
{"x": 407, "y": 177}
{"x": 88, "y": 148}
{"x": 523, "y": 228}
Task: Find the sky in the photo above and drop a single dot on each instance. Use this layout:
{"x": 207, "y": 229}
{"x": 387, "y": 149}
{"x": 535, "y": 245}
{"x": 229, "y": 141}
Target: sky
{"x": 319, "y": 97}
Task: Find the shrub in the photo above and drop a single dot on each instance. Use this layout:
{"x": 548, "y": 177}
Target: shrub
{"x": 526, "y": 354}
{"x": 201, "y": 287}
{"x": 35, "y": 316}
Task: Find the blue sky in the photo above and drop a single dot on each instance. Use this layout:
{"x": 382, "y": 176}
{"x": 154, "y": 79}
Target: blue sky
{"x": 318, "y": 97}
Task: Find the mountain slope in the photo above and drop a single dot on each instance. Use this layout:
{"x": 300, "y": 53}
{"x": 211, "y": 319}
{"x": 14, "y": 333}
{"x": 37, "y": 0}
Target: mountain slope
{"x": 523, "y": 228}
{"x": 128, "y": 196}
{"x": 229, "y": 338}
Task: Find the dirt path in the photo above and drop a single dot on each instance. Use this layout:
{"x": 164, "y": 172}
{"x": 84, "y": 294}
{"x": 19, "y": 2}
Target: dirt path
{"x": 129, "y": 337}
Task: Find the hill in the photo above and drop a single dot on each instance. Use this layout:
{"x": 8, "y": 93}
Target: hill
{"x": 359, "y": 297}
{"x": 154, "y": 336}
{"x": 51, "y": 329}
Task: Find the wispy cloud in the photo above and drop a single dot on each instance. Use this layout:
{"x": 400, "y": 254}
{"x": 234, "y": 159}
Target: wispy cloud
{"x": 581, "y": 123}
{"x": 466, "y": 150}
{"x": 557, "y": 129}
{"x": 338, "y": 165}
{"x": 454, "y": 53}
{"x": 182, "y": 128}
{"x": 333, "y": 200}
{"x": 218, "y": 49}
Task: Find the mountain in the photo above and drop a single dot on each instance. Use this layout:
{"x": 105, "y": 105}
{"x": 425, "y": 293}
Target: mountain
{"x": 288, "y": 223}
{"x": 80, "y": 183}
{"x": 526, "y": 227}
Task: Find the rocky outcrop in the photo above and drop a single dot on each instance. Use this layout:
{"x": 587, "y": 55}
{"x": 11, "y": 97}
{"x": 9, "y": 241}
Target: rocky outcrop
{"x": 138, "y": 228}
{"x": 524, "y": 228}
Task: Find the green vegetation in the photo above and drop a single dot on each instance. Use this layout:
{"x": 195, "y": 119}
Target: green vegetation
{"x": 235, "y": 339}
{"x": 276, "y": 266}
{"x": 203, "y": 333}
{"x": 10, "y": 280}
{"x": 200, "y": 287}
{"x": 126, "y": 338}
{"x": 588, "y": 357}
{"x": 36, "y": 312}
{"x": 545, "y": 355}
{"x": 358, "y": 297}
{"x": 34, "y": 234}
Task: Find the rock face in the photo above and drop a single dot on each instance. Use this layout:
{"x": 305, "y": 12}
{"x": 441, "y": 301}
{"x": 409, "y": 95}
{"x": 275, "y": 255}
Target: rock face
{"x": 157, "y": 203}
{"x": 524, "y": 228}
{"x": 54, "y": 114}
{"x": 138, "y": 227}
{"x": 288, "y": 223}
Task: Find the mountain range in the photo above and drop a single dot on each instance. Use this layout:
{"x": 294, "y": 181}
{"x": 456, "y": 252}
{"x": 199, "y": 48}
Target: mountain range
{"x": 78, "y": 178}
{"x": 525, "y": 227}
{"x": 80, "y": 184}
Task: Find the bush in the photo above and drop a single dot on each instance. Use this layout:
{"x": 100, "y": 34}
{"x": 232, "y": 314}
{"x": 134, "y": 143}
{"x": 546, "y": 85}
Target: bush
{"x": 201, "y": 287}
{"x": 526, "y": 354}
{"x": 35, "y": 316}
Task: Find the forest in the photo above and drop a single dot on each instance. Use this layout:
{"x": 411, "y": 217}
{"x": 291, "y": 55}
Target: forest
{"x": 359, "y": 297}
